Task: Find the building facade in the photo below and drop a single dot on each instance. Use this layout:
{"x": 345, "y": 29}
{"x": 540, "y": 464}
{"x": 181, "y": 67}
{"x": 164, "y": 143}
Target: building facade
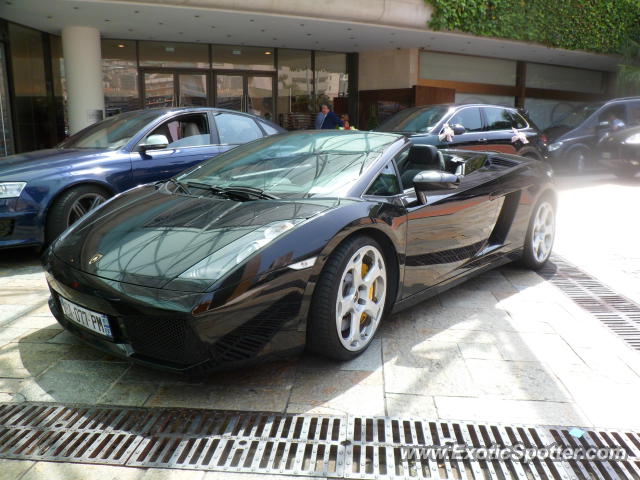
{"x": 65, "y": 64}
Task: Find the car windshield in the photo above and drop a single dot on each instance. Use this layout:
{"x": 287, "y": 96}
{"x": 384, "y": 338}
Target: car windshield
{"x": 578, "y": 116}
{"x": 112, "y": 133}
{"x": 414, "y": 120}
{"x": 295, "y": 165}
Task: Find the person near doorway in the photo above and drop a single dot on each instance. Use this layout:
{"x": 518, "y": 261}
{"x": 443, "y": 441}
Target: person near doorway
{"x": 326, "y": 119}
{"x": 346, "y": 125}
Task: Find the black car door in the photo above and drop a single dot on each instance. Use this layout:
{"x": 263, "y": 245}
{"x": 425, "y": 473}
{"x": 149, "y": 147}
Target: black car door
{"x": 474, "y": 137}
{"x": 499, "y": 130}
{"x": 453, "y": 226}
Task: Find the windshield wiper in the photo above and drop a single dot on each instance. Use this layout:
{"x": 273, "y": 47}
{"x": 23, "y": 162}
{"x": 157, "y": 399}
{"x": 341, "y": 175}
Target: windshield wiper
{"x": 252, "y": 191}
{"x": 179, "y": 185}
{"x": 238, "y": 192}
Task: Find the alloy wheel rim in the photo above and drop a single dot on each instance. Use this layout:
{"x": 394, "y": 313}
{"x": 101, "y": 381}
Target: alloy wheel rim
{"x": 543, "y": 232}
{"x": 83, "y": 205}
{"x": 361, "y": 298}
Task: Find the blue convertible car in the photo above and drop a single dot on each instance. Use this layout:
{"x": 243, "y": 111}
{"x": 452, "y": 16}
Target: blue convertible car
{"x": 43, "y": 192}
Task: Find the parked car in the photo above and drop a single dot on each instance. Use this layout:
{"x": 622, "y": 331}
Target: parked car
{"x": 472, "y": 127}
{"x": 305, "y": 235}
{"x": 43, "y": 192}
{"x": 620, "y": 152}
{"x": 575, "y": 141}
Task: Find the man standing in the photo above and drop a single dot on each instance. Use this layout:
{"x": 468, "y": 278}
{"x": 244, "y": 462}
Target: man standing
{"x": 326, "y": 119}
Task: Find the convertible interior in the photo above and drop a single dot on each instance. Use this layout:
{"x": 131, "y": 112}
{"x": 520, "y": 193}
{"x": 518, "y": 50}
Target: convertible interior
{"x": 427, "y": 157}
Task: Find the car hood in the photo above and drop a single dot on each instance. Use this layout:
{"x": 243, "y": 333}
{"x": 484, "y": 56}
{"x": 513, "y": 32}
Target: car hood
{"x": 146, "y": 237}
{"x": 24, "y": 165}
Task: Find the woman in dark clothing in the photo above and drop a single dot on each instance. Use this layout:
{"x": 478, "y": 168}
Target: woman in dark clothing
{"x": 327, "y": 119}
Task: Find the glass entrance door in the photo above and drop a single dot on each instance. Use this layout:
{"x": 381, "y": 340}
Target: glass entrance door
{"x": 175, "y": 89}
{"x": 260, "y": 95}
{"x": 246, "y": 92}
{"x": 230, "y": 92}
{"x": 159, "y": 90}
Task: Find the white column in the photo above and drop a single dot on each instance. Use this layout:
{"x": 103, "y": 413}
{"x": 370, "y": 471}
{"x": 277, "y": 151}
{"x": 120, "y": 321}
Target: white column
{"x": 83, "y": 73}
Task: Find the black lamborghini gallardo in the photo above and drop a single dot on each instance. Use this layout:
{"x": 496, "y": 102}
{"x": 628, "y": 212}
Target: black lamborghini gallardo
{"x": 301, "y": 238}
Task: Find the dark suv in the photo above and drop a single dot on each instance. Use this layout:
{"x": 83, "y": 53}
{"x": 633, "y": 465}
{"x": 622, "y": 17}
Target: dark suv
{"x": 577, "y": 140}
{"x": 470, "y": 127}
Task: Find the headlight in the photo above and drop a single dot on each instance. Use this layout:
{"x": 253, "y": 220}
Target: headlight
{"x": 555, "y": 146}
{"x": 11, "y": 189}
{"x": 633, "y": 139}
{"x": 221, "y": 261}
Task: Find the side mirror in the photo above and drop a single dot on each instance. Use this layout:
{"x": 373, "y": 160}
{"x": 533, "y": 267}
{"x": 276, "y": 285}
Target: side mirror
{"x": 458, "y": 129}
{"x": 153, "y": 142}
{"x": 434, "y": 180}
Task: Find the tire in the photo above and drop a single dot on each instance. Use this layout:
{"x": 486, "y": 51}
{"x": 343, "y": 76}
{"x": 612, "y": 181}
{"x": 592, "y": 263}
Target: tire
{"x": 346, "y": 309}
{"x": 71, "y": 206}
{"x": 540, "y": 235}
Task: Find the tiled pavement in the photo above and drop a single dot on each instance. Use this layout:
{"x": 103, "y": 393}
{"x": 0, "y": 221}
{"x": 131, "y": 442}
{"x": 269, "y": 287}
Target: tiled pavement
{"x": 503, "y": 347}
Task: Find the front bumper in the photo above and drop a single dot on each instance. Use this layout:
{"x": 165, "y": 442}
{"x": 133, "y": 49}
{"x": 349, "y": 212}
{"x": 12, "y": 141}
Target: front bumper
{"x": 157, "y": 328}
{"x": 19, "y": 226}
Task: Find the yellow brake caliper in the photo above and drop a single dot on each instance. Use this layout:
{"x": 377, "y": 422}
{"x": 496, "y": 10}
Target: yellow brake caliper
{"x": 371, "y": 293}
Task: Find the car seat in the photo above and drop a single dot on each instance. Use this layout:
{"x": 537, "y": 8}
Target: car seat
{"x": 421, "y": 158}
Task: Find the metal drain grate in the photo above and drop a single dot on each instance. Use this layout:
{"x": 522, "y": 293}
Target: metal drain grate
{"x": 271, "y": 443}
{"x": 617, "y": 312}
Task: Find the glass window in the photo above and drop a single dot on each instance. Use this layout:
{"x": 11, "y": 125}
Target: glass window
{"x": 297, "y": 164}
{"x": 31, "y": 106}
{"x": 561, "y": 114}
{"x": 295, "y": 84}
{"x": 502, "y": 100}
{"x": 332, "y": 80}
{"x": 634, "y": 114}
{"x": 564, "y": 78}
{"x": 59, "y": 87}
{"x": 269, "y": 129}
{"x": 498, "y": 119}
{"x": 413, "y": 120}
{"x": 235, "y": 129}
{"x": 469, "y": 118}
{"x": 518, "y": 120}
{"x": 113, "y": 133}
{"x": 119, "y": 76}
{"x": 242, "y": 58}
{"x": 474, "y": 162}
{"x": 174, "y": 54}
{"x": 386, "y": 184}
{"x": 466, "y": 68}
{"x": 6, "y": 132}
{"x": 185, "y": 131}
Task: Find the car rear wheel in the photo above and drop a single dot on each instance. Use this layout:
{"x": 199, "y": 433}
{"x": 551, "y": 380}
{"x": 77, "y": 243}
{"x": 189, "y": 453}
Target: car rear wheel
{"x": 540, "y": 235}
{"x": 71, "y": 206}
{"x": 349, "y": 300}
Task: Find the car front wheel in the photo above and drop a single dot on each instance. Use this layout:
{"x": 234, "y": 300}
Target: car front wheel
{"x": 540, "y": 235}
{"x": 349, "y": 300}
{"x": 71, "y": 206}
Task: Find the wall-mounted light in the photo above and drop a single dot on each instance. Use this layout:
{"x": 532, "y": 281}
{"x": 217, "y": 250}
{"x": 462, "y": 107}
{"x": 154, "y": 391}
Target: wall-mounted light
{"x": 121, "y": 45}
{"x": 267, "y": 52}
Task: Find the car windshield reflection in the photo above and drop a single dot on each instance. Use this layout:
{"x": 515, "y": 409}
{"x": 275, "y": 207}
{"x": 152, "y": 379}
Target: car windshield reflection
{"x": 297, "y": 165}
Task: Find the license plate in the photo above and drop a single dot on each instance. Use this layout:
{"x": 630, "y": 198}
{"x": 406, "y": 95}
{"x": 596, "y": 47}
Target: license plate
{"x": 97, "y": 322}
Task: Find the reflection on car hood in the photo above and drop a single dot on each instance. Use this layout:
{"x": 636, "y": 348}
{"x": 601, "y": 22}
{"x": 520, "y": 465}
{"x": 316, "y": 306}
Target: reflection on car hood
{"x": 26, "y": 164}
{"x": 148, "y": 238}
